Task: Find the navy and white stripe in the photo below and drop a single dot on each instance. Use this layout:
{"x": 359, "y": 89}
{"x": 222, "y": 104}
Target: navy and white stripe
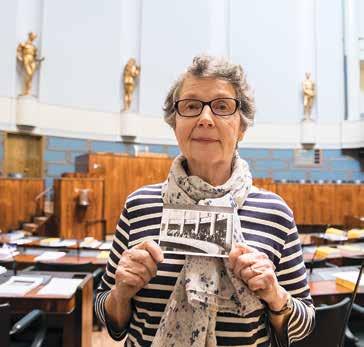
{"x": 267, "y": 224}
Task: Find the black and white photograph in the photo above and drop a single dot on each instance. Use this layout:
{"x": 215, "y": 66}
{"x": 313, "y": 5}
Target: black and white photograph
{"x": 196, "y": 230}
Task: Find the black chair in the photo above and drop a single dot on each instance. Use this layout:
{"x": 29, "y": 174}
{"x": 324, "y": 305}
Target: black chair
{"x": 82, "y": 267}
{"x": 315, "y": 263}
{"x": 356, "y": 325}
{"x": 356, "y": 322}
{"x": 352, "y": 260}
{"x": 329, "y": 327}
{"x": 9, "y": 264}
{"x": 29, "y": 331}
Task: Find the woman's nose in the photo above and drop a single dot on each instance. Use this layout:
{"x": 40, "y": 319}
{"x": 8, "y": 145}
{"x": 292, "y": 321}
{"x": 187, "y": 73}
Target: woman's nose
{"x": 206, "y": 117}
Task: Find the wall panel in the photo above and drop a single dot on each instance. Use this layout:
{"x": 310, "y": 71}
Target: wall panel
{"x": 169, "y": 42}
{"x": 8, "y": 13}
{"x": 83, "y": 63}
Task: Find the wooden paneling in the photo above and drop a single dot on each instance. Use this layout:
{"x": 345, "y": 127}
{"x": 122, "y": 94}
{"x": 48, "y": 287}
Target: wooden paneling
{"x": 265, "y": 183}
{"x": 323, "y": 203}
{"x": 311, "y": 204}
{"x": 349, "y": 201}
{"x": 23, "y": 153}
{"x": 123, "y": 174}
{"x": 71, "y": 217}
{"x": 291, "y": 193}
{"x": 17, "y": 201}
{"x": 324, "y": 196}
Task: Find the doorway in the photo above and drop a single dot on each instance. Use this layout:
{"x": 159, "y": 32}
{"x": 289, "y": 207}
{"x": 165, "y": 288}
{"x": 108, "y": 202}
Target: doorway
{"x": 23, "y": 155}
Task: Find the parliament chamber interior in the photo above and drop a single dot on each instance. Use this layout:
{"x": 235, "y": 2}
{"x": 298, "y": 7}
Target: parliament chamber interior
{"x": 87, "y": 160}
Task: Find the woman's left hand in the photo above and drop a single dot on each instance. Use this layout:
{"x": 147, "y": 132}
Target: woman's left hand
{"x": 257, "y": 271}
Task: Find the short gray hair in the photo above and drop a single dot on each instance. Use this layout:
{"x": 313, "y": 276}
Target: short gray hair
{"x": 204, "y": 66}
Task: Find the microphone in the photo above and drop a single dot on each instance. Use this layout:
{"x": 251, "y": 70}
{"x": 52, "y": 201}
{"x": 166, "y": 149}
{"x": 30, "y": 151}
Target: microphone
{"x": 312, "y": 261}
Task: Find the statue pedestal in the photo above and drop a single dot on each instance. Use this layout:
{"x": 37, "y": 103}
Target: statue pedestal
{"x": 308, "y": 132}
{"x": 129, "y": 126}
{"x": 26, "y": 111}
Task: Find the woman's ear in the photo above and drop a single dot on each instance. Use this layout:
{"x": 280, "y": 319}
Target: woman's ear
{"x": 241, "y": 135}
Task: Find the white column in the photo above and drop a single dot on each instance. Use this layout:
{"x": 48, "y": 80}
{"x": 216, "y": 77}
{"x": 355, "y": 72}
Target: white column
{"x": 166, "y": 222}
{"x": 197, "y": 225}
{"x": 307, "y": 36}
{"x": 351, "y": 51}
{"x": 212, "y": 226}
{"x": 131, "y": 25}
{"x": 182, "y": 223}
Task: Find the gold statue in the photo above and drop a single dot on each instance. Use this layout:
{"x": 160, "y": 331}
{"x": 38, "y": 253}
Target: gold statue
{"x": 27, "y": 55}
{"x": 131, "y": 72}
{"x": 309, "y": 94}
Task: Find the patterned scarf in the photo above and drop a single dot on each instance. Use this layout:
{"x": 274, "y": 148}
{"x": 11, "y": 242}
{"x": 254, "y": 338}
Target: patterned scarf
{"x": 205, "y": 285}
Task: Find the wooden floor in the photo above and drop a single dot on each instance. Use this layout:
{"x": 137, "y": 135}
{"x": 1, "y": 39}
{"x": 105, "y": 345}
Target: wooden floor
{"x": 102, "y": 339}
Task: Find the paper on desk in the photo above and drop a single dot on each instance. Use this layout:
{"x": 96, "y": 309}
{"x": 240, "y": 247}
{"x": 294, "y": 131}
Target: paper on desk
{"x": 103, "y": 255}
{"x": 92, "y": 244}
{"x": 62, "y": 243}
{"x": 48, "y": 241}
{"x": 15, "y": 235}
{"x": 20, "y": 285}
{"x": 60, "y": 286}
{"x": 348, "y": 279}
{"x": 351, "y": 248}
{"x": 7, "y": 252}
{"x": 22, "y": 241}
{"x": 49, "y": 255}
{"x": 68, "y": 243}
{"x": 106, "y": 245}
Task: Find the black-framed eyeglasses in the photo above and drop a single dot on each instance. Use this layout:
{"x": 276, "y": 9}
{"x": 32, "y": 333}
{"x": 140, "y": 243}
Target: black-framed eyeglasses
{"x": 219, "y": 107}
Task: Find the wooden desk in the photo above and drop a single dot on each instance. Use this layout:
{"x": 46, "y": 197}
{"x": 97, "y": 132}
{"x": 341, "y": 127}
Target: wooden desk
{"x": 28, "y": 255}
{"x": 324, "y": 239}
{"x": 36, "y": 242}
{"x": 305, "y": 239}
{"x": 324, "y": 289}
{"x": 354, "y": 221}
{"x": 70, "y": 314}
{"x": 334, "y": 258}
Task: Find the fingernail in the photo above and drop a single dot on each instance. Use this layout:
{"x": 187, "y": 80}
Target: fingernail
{"x": 256, "y": 270}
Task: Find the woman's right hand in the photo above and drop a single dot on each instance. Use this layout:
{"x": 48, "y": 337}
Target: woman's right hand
{"x": 137, "y": 266}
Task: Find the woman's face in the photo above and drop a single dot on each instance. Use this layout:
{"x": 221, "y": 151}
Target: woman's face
{"x": 207, "y": 139}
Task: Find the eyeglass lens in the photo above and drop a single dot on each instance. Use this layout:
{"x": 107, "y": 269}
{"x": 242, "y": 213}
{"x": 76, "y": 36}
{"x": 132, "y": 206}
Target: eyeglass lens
{"x": 192, "y": 107}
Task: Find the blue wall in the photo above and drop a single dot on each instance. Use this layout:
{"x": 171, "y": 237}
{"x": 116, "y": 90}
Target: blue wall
{"x": 336, "y": 164}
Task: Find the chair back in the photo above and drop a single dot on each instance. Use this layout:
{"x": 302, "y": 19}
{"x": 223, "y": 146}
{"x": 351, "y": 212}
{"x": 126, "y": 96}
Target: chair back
{"x": 9, "y": 264}
{"x": 83, "y": 267}
{"x": 352, "y": 260}
{"x": 5, "y": 324}
{"x": 329, "y": 328}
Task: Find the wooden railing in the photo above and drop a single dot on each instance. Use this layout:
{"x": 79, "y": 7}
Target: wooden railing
{"x": 320, "y": 203}
{"x": 311, "y": 203}
{"x": 74, "y": 220}
{"x": 18, "y": 201}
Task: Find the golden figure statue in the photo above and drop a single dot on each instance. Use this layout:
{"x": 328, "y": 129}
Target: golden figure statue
{"x": 309, "y": 94}
{"x": 131, "y": 72}
{"x": 27, "y": 55}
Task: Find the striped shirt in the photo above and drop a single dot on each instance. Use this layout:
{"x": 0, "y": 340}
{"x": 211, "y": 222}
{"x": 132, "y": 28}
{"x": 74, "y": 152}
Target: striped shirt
{"x": 267, "y": 224}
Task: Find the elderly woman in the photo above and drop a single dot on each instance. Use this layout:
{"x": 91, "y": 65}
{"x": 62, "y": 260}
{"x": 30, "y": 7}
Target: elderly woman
{"x": 259, "y": 295}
